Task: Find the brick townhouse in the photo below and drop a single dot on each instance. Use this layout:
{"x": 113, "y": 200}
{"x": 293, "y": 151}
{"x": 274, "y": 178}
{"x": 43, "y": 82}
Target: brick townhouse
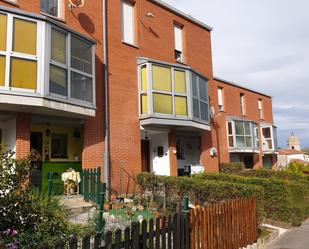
{"x": 155, "y": 106}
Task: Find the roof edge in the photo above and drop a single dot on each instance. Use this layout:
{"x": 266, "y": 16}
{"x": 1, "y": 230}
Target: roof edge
{"x": 243, "y": 87}
{"x": 182, "y": 14}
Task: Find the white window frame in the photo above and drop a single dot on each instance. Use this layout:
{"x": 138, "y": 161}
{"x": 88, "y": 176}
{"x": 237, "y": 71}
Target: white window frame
{"x": 124, "y": 28}
{"x": 178, "y": 41}
{"x": 60, "y": 11}
{"x": 220, "y": 99}
{"x": 9, "y": 53}
{"x": 242, "y": 104}
{"x": 272, "y": 139}
{"x": 260, "y": 107}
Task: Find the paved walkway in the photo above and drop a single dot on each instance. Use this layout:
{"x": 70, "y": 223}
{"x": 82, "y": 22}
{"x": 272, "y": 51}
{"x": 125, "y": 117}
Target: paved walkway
{"x": 296, "y": 238}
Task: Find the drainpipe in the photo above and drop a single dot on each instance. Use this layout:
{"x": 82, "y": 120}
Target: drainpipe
{"x": 106, "y": 158}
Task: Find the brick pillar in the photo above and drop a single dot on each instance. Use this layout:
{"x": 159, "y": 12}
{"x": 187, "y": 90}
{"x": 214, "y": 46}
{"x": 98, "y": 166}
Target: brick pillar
{"x": 23, "y": 130}
{"x": 208, "y": 140}
{"x": 173, "y": 156}
{"x": 257, "y": 161}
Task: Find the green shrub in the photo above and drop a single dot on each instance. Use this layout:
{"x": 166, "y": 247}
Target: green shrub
{"x": 278, "y": 197}
{"x": 231, "y": 167}
{"x": 200, "y": 191}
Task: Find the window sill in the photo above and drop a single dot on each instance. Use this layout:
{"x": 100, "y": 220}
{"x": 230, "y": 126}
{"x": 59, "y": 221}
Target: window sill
{"x": 130, "y": 44}
{"x": 59, "y": 19}
{"x": 10, "y": 2}
{"x": 181, "y": 62}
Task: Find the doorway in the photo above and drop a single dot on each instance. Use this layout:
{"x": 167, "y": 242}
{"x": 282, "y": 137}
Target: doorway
{"x": 145, "y": 153}
{"x": 36, "y": 141}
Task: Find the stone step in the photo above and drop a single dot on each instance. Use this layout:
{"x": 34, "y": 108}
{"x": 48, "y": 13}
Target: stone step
{"x": 75, "y": 205}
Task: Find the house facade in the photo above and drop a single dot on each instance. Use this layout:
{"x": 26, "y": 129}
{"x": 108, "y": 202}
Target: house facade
{"x": 154, "y": 106}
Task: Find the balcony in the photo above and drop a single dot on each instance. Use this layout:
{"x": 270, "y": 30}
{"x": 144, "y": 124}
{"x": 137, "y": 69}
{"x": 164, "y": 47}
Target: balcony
{"x": 269, "y": 139}
{"x": 242, "y": 136}
{"x": 172, "y": 95}
{"x": 45, "y": 67}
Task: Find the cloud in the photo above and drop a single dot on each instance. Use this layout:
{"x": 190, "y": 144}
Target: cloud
{"x": 262, "y": 44}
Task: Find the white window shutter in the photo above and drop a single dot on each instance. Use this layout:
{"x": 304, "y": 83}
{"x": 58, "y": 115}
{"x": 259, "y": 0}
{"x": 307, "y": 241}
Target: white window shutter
{"x": 178, "y": 38}
{"x": 128, "y": 22}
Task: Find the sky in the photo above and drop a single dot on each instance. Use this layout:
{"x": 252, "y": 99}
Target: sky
{"x": 263, "y": 45}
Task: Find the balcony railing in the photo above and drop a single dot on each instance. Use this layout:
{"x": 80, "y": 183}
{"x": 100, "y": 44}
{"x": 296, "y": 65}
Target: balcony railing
{"x": 42, "y": 58}
{"x": 172, "y": 93}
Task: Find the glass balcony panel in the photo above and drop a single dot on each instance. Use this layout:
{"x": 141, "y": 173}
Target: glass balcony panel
{"x": 194, "y": 85}
{"x": 24, "y": 36}
{"x": 58, "y": 46}
{"x": 196, "y": 108}
{"x": 161, "y": 80}
{"x": 180, "y": 81}
{"x": 23, "y": 73}
{"x": 162, "y": 103}
{"x": 81, "y": 55}
{"x": 240, "y": 141}
{"x": 144, "y": 103}
{"x": 3, "y": 31}
{"x": 204, "y": 111}
{"x": 239, "y": 126}
{"x": 2, "y": 70}
{"x": 81, "y": 87}
{"x": 203, "y": 89}
{"x": 181, "y": 105}
{"x": 144, "y": 78}
{"x": 58, "y": 80}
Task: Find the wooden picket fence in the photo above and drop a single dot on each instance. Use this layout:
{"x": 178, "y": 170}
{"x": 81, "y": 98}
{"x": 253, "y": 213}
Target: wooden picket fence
{"x": 225, "y": 225}
{"x": 91, "y": 184}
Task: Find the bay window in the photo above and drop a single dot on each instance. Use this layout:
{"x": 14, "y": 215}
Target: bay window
{"x": 170, "y": 91}
{"x": 40, "y": 58}
{"x": 269, "y": 138}
{"x": 242, "y": 134}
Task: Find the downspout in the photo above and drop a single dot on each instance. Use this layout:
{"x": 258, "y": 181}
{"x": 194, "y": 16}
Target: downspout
{"x": 106, "y": 157}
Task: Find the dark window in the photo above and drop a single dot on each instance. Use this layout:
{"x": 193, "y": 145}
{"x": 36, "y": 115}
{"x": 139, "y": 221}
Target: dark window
{"x": 59, "y": 146}
{"x": 50, "y": 7}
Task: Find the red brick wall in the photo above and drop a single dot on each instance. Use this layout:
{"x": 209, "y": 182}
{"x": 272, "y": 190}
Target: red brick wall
{"x": 23, "y": 129}
{"x": 231, "y": 100}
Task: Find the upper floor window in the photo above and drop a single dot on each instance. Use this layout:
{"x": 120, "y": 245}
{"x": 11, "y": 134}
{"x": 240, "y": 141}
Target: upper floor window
{"x": 260, "y": 106}
{"x": 220, "y": 99}
{"x": 128, "y": 22}
{"x": 178, "y": 36}
{"x": 52, "y": 7}
{"x": 242, "y": 104}
{"x": 269, "y": 138}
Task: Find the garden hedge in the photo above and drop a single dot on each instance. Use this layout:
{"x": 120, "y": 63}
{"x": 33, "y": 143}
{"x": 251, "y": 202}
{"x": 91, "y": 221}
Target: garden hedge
{"x": 200, "y": 191}
{"x": 278, "y": 195}
{"x": 231, "y": 167}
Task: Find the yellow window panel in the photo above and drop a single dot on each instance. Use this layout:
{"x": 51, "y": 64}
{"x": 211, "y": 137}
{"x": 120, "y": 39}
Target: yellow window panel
{"x": 162, "y": 103}
{"x": 23, "y": 73}
{"x": 181, "y": 106}
{"x": 58, "y": 46}
{"x": 2, "y": 70}
{"x": 144, "y": 78}
{"x": 24, "y": 39}
{"x": 180, "y": 81}
{"x": 3, "y": 31}
{"x": 161, "y": 78}
{"x": 144, "y": 102}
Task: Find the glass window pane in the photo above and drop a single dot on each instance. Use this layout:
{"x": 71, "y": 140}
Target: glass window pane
{"x": 144, "y": 78}
{"x": 239, "y": 127}
{"x": 270, "y": 144}
{"x": 144, "y": 103}
{"x": 203, "y": 89}
{"x": 204, "y": 111}
{"x": 231, "y": 141}
{"x": 3, "y": 31}
{"x": 81, "y": 87}
{"x": 162, "y": 103}
{"x": 266, "y": 132}
{"x": 180, "y": 105}
{"x": 161, "y": 78}
{"x": 248, "y": 141}
{"x": 24, "y": 38}
{"x": 194, "y": 85}
{"x": 196, "y": 108}
{"x": 58, "y": 46}
{"x": 247, "y": 128}
{"x": 230, "y": 128}
{"x": 81, "y": 55}
{"x": 240, "y": 141}
{"x": 2, "y": 70}
{"x": 50, "y": 7}
{"x": 58, "y": 80}
{"x": 180, "y": 81}
{"x": 59, "y": 146}
{"x": 23, "y": 73}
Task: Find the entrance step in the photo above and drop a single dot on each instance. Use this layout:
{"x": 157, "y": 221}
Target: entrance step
{"x": 79, "y": 211}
